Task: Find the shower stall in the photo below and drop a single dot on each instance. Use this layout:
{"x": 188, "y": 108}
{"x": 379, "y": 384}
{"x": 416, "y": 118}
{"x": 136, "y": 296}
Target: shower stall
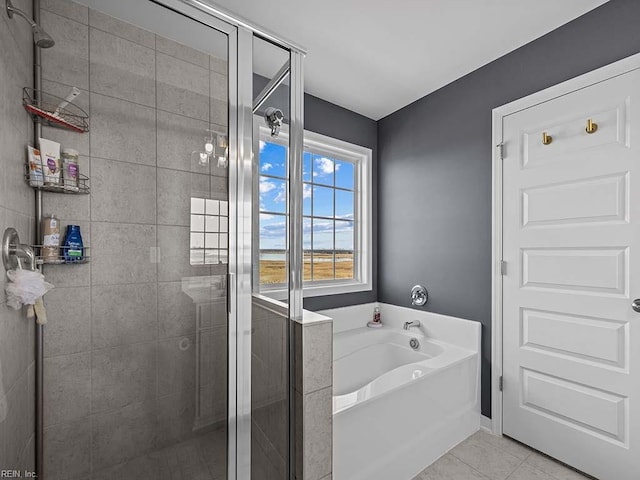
{"x": 162, "y": 356}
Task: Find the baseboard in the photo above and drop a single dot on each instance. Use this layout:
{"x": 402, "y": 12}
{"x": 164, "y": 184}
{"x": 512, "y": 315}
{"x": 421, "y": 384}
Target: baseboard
{"x": 486, "y": 424}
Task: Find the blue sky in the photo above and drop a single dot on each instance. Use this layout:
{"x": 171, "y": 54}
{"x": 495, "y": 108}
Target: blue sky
{"x": 323, "y": 172}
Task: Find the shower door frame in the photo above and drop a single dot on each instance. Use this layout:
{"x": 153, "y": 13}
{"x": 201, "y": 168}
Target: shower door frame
{"x": 240, "y": 34}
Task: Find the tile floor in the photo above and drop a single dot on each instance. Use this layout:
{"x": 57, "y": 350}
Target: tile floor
{"x": 480, "y": 457}
{"x": 486, "y": 457}
{"x": 200, "y": 458}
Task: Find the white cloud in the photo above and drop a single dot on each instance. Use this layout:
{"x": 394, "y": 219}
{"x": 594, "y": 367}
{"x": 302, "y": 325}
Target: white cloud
{"x": 274, "y": 230}
{"x": 344, "y": 227}
{"x": 266, "y": 186}
{"x": 320, "y": 226}
{"x": 266, "y": 167}
{"x": 262, "y": 145}
{"x": 306, "y": 191}
{"x": 325, "y": 166}
{"x": 282, "y": 194}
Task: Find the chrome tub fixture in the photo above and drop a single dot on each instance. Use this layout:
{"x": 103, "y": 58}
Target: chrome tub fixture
{"x": 419, "y": 296}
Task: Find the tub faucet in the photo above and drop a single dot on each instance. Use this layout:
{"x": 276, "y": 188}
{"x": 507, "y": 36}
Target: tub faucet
{"x": 408, "y": 325}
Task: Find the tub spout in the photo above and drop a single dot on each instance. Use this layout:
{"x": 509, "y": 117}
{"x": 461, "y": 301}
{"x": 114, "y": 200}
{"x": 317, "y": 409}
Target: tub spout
{"x": 408, "y": 325}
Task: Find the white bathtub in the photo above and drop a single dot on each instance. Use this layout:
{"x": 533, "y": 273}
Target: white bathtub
{"x": 396, "y": 409}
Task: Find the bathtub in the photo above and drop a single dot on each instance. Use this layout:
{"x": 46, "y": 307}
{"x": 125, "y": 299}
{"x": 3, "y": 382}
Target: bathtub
{"x": 397, "y": 409}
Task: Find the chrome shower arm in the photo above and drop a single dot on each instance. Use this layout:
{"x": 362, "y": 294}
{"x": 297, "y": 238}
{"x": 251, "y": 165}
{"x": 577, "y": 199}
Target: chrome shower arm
{"x": 41, "y": 38}
{"x": 11, "y": 10}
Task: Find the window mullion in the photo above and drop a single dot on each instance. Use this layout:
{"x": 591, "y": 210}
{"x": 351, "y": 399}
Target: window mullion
{"x": 334, "y": 219}
{"x": 312, "y": 249}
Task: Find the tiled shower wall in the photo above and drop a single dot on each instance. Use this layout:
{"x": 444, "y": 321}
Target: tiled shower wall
{"x": 124, "y": 344}
{"x": 16, "y": 210}
{"x": 313, "y": 348}
{"x": 270, "y": 391}
{"x": 313, "y": 389}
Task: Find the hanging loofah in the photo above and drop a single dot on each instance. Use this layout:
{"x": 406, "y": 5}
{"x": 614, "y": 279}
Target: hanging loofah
{"x": 25, "y": 287}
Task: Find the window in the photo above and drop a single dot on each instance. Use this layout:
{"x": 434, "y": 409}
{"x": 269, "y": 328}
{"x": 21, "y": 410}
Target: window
{"x": 209, "y": 231}
{"x": 336, "y": 210}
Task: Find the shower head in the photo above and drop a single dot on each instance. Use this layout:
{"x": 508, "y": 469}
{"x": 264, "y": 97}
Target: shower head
{"x": 274, "y": 118}
{"x": 41, "y": 38}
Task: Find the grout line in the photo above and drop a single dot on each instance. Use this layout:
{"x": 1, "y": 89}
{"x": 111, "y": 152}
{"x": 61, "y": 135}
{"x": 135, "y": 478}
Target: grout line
{"x": 66, "y": 16}
{"x": 138, "y": 104}
{"x": 91, "y": 383}
{"x": 208, "y": 55}
{"x": 125, "y": 100}
{"x": 493, "y": 447}
{"x": 516, "y": 469}
{"x": 156, "y": 246}
{"x": 100, "y": 29}
{"x": 95, "y": 157}
{"x": 465, "y": 463}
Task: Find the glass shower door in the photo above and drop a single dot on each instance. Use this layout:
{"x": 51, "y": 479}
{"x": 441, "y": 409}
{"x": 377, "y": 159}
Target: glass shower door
{"x": 136, "y": 367}
{"x": 276, "y": 274}
{"x": 270, "y": 363}
{"x": 174, "y": 358}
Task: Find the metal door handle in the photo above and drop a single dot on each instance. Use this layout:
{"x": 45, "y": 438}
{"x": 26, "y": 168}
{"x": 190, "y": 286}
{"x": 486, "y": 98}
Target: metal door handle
{"x": 636, "y": 305}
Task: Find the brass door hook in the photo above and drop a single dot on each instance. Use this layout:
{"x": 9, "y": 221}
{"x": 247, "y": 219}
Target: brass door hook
{"x": 592, "y": 127}
{"x": 546, "y": 139}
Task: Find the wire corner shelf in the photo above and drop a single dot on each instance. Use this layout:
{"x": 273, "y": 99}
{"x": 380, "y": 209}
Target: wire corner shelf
{"x": 54, "y": 111}
{"x": 64, "y": 185}
{"x": 41, "y": 259}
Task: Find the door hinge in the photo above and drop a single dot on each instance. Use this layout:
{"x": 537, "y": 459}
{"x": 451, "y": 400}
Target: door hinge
{"x": 500, "y": 150}
{"x": 501, "y": 383}
{"x": 503, "y": 267}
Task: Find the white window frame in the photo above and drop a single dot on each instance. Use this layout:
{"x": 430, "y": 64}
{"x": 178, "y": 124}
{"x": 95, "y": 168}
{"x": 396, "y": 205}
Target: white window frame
{"x": 363, "y": 248}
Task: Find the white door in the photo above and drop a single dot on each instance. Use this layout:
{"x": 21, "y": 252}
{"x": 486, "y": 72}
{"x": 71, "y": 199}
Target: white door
{"x": 571, "y": 240}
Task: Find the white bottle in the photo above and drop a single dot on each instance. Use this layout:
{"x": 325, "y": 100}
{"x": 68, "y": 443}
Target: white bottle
{"x": 70, "y": 171}
{"x": 51, "y": 239}
{"x": 50, "y": 154}
{"x": 36, "y": 175}
{"x": 376, "y": 321}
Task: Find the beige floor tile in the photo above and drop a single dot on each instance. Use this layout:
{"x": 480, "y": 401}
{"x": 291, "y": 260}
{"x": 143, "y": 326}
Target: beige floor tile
{"x": 504, "y": 443}
{"x": 449, "y": 467}
{"x": 487, "y": 459}
{"x": 527, "y": 472}
{"x": 553, "y": 468}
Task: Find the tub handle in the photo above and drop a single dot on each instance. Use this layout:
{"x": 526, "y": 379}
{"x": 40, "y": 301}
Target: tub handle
{"x": 419, "y": 295}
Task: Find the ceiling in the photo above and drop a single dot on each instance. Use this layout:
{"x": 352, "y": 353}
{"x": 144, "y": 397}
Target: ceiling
{"x": 374, "y": 57}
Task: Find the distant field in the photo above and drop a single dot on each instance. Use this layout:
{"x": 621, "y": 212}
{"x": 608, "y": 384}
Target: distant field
{"x": 273, "y": 271}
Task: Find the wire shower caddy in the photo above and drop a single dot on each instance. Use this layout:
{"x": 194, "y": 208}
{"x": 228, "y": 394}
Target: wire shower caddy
{"x": 54, "y": 111}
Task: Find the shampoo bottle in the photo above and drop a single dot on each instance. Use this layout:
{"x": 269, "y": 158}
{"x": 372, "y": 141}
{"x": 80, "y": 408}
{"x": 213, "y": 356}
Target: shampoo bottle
{"x": 51, "y": 239}
{"x": 70, "y": 169}
{"x": 50, "y": 154}
{"x": 376, "y": 321}
{"x": 73, "y": 248}
{"x": 36, "y": 175}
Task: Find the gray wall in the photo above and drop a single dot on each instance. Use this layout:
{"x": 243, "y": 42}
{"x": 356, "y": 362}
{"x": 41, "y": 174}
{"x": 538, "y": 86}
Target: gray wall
{"x": 16, "y": 210}
{"x": 337, "y": 122}
{"x": 435, "y": 167}
{"x": 334, "y": 121}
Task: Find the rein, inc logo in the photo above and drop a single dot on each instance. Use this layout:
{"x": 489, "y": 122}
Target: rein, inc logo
{"x": 17, "y": 474}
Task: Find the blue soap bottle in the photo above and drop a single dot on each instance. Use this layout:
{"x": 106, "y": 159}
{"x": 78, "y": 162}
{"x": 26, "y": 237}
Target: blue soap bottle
{"x": 73, "y": 248}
